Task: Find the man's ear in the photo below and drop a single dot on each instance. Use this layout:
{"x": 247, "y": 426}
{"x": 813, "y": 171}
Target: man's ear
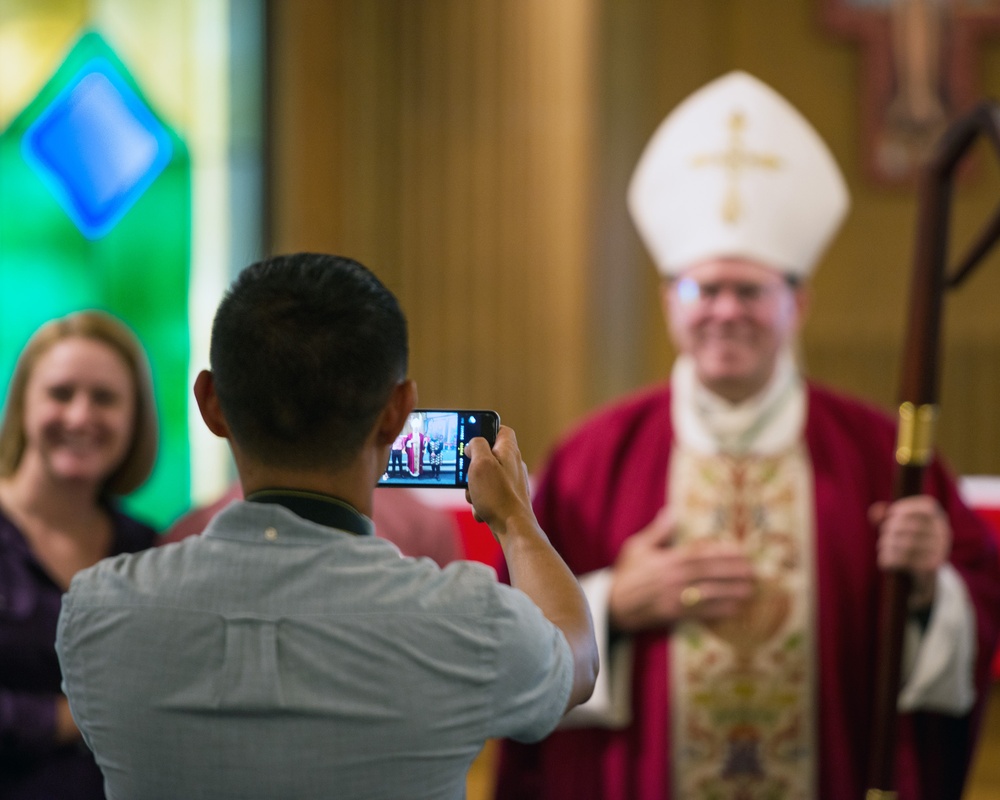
{"x": 672, "y": 313}
{"x": 803, "y": 302}
{"x": 401, "y": 402}
{"x": 208, "y": 404}
{"x": 666, "y": 290}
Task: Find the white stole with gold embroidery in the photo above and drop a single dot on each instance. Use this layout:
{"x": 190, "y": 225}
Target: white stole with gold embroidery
{"x": 743, "y": 690}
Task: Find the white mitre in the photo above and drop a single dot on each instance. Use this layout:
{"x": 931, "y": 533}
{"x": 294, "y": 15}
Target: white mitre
{"x": 735, "y": 170}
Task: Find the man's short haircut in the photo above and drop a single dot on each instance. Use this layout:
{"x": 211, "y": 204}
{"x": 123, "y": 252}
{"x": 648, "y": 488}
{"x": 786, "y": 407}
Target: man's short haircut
{"x": 306, "y": 350}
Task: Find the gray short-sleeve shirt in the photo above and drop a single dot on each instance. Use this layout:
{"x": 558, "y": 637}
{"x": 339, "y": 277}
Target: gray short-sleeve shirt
{"x": 275, "y": 657}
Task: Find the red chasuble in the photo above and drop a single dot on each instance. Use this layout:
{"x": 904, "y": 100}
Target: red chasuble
{"x": 608, "y": 480}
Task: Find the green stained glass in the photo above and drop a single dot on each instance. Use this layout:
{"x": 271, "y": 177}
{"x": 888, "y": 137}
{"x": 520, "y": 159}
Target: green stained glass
{"x": 95, "y": 212}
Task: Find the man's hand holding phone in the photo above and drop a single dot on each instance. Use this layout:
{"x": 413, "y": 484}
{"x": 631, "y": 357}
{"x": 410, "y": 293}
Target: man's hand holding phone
{"x": 498, "y": 481}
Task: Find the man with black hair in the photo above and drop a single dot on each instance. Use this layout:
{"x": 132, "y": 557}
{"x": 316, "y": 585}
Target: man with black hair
{"x": 286, "y": 652}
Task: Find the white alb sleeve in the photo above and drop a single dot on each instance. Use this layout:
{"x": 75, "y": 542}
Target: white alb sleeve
{"x": 610, "y": 706}
{"x": 939, "y": 664}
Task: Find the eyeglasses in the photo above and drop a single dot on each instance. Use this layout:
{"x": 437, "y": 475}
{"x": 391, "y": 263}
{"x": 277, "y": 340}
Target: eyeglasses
{"x": 749, "y": 294}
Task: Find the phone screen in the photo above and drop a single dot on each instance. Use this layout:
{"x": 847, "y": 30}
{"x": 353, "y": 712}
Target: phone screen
{"x": 430, "y": 450}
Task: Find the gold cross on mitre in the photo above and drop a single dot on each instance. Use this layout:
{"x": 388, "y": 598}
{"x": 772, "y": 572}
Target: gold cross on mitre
{"x": 734, "y": 160}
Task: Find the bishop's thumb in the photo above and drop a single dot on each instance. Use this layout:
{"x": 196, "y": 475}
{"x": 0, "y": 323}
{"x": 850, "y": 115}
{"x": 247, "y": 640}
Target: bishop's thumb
{"x": 660, "y": 532}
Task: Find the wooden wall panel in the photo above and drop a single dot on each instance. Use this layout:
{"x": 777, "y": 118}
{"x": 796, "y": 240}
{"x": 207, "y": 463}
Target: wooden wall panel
{"x": 445, "y": 144}
{"x": 334, "y": 127}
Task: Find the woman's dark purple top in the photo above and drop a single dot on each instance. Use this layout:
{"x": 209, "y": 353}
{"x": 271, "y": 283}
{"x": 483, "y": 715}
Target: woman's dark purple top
{"x": 32, "y": 767}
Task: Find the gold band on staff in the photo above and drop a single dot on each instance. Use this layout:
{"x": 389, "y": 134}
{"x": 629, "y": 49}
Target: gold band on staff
{"x": 915, "y": 440}
{"x": 880, "y": 794}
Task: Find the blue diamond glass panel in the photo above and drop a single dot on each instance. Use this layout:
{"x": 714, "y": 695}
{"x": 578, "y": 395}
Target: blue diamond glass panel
{"x": 98, "y": 147}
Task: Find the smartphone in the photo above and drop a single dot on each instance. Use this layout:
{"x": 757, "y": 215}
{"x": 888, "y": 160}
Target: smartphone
{"x": 430, "y": 450}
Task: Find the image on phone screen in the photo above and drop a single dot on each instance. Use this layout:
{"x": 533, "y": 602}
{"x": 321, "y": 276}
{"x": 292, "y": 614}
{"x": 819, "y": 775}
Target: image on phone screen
{"x": 430, "y": 450}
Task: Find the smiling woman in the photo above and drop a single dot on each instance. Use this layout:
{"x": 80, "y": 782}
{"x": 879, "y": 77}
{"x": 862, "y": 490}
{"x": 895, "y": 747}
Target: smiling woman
{"x": 79, "y": 431}
{"x": 79, "y": 414}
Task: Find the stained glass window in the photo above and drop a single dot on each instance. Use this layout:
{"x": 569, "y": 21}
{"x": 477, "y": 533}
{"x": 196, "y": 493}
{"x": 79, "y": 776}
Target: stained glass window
{"x": 116, "y": 191}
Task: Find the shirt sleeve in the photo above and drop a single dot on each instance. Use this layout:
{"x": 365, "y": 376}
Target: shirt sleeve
{"x": 533, "y": 670}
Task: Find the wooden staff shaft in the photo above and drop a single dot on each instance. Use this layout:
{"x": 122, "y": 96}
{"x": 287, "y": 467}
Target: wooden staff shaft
{"x": 918, "y": 408}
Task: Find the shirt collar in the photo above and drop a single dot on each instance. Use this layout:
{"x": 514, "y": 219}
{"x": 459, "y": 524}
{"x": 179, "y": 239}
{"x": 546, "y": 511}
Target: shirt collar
{"x": 323, "y": 509}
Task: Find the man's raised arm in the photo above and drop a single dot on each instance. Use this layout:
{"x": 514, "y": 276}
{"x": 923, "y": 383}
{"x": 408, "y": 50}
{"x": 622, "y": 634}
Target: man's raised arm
{"x": 500, "y": 496}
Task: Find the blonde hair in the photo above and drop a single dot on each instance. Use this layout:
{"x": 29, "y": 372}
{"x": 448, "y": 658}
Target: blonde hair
{"x": 138, "y": 462}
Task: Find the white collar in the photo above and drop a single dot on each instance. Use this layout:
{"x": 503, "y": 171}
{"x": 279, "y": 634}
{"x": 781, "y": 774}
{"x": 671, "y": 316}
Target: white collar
{"x": 765, "y": 424}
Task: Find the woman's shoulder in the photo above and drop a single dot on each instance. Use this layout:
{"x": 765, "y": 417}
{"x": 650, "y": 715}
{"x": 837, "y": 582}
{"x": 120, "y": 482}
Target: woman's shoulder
{"x": 131, "y": 533}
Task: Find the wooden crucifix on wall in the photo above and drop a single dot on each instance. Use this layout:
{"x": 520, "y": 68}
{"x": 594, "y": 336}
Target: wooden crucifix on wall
{"x": 920, "y": 72}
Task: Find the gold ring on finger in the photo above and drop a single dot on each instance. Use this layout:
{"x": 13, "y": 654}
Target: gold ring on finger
{"x": 690, "y": 596}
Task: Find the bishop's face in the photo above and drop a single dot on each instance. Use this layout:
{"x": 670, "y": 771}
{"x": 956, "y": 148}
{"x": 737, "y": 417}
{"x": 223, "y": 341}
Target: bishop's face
{"x": 733, "y": 317}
